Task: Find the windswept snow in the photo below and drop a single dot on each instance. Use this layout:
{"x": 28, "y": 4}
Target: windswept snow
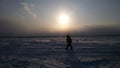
{"x": 88, "y": 52}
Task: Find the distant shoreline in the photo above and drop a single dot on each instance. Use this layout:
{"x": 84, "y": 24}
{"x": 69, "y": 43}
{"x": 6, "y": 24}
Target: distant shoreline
{"x": 50, "y": 36}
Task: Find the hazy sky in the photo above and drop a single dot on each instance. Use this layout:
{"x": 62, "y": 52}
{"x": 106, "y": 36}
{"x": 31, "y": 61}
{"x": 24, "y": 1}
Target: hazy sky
{"x": 86, "y": 17}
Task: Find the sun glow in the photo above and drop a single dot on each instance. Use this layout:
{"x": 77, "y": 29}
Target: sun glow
{"x": 63, "y": 21}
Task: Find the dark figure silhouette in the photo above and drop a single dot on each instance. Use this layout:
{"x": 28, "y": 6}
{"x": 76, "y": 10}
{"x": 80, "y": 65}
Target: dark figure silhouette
{"x": 69, "y": 42}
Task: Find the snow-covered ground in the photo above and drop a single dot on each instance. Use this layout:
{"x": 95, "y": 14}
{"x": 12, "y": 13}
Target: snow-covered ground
{"x": 88, "y": 52}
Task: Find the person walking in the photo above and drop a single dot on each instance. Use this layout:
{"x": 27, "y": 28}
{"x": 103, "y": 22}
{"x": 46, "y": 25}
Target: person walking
{"x": 69, "y": 42}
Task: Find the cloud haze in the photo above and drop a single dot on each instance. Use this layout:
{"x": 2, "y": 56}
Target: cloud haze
{"x": 112, "y": 30}
{"x": 28, "y": 9}
{"x": 8, "y": 29}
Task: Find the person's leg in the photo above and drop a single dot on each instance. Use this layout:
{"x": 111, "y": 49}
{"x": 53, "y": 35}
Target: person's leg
{"x": 71, "y": 47}
{"x": 67, "y": 47}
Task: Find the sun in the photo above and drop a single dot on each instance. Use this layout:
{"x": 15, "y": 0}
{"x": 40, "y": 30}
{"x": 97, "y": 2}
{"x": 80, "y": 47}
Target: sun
{"x": 63, "y": 21}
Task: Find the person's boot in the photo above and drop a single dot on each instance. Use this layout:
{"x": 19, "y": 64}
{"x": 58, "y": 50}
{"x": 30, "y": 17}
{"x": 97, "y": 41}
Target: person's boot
{"x": 66, "y": 48}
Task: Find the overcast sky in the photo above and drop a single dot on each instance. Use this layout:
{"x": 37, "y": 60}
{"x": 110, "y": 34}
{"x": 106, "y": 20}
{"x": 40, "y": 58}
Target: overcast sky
{"x": 87, "y": 17}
